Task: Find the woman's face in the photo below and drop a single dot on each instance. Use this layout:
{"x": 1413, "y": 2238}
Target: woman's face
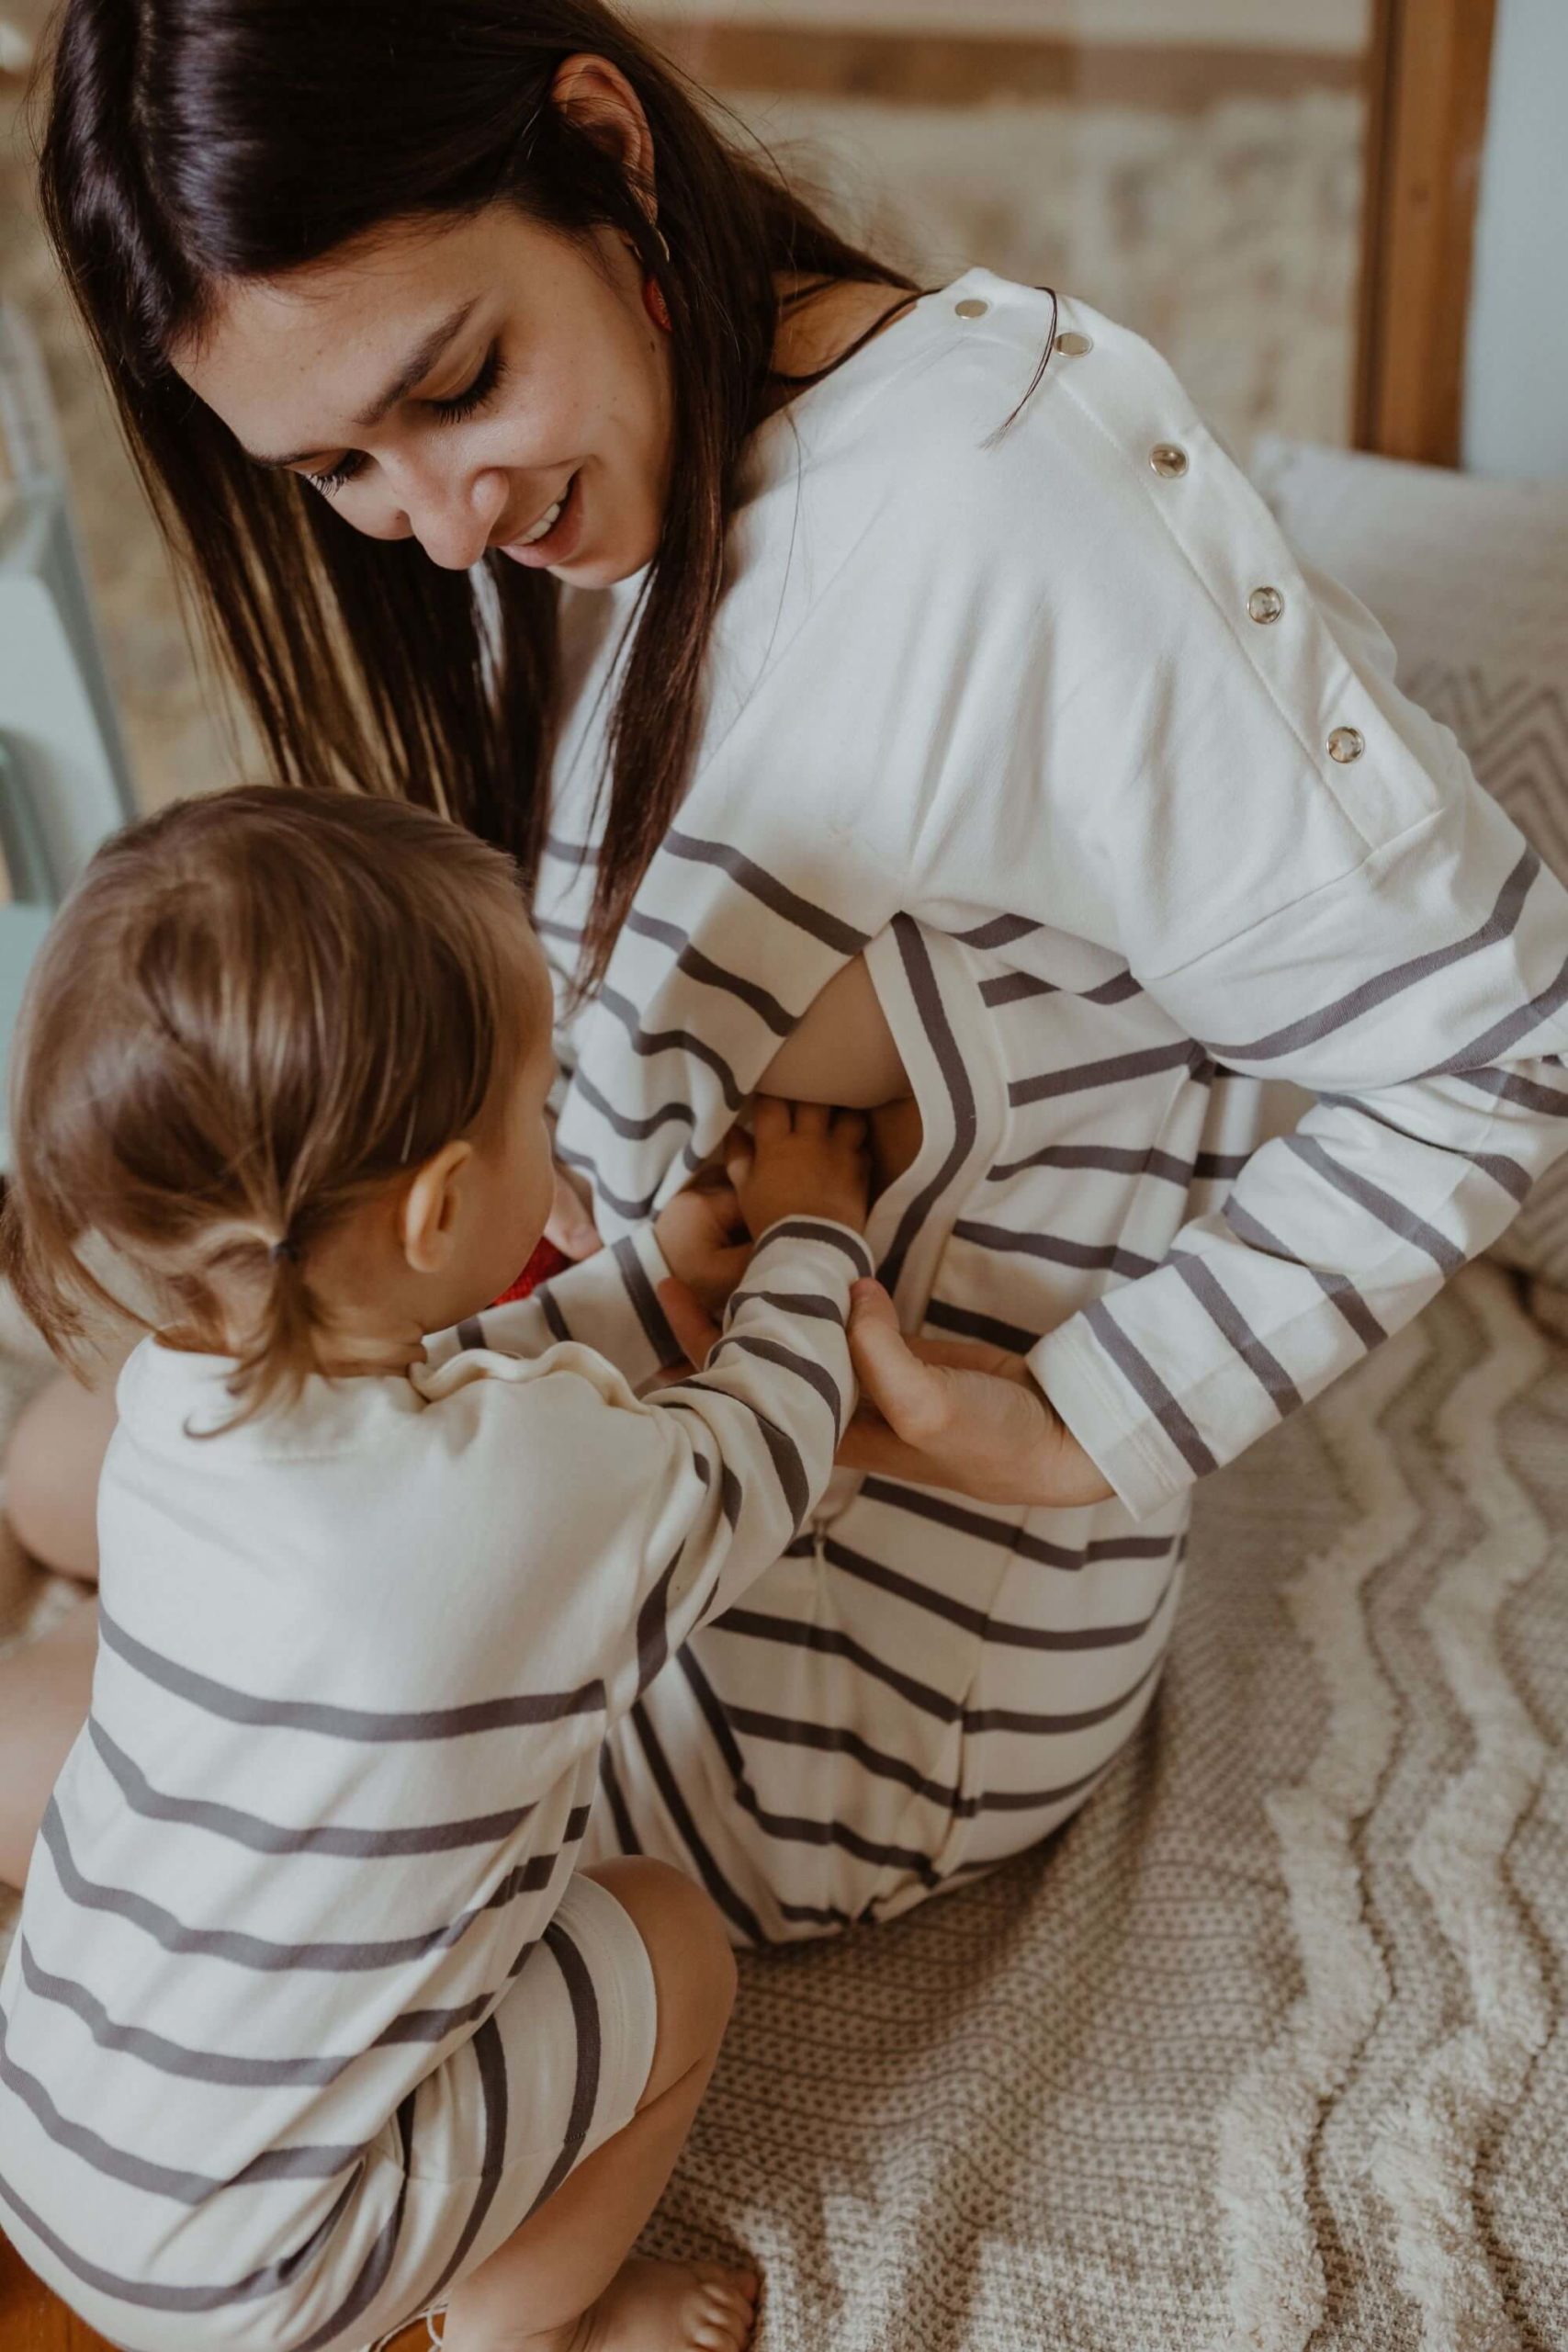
{"x": 473, "y": 383}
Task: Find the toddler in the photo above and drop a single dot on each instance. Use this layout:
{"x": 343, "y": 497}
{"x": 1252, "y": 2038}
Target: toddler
{"x": 311, "y": 2022}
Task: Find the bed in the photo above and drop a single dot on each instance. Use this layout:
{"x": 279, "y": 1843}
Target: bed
{"x": 1266, "y": 2050}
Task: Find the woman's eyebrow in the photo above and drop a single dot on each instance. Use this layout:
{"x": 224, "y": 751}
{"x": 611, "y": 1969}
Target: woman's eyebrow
{"x": 414, "y": 369}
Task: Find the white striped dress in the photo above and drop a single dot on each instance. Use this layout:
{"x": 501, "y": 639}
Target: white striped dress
{"x": 1128, "y": 818}
{"x": 307, "y": 2010}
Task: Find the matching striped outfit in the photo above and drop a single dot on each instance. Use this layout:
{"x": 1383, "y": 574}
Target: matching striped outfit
{"x": 308, "y": 2008}
{"x": 1037, "y": 712}
{"x": 1123, "y": 807}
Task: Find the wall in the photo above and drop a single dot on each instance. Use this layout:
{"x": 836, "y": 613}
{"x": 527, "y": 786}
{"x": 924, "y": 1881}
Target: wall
{"x": 1516, "y": 373}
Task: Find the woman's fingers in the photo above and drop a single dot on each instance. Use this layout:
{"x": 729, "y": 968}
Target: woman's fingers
{"x": 689, "y": 1319}
{"x": 910, "y": 1395}
{"x": 571, "y": 1224}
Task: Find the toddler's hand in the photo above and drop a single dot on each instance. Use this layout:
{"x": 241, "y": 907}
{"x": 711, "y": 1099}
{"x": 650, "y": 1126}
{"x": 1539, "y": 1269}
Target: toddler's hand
{"x": 801, "y": 1159}
{"x": 703, "y": 1235}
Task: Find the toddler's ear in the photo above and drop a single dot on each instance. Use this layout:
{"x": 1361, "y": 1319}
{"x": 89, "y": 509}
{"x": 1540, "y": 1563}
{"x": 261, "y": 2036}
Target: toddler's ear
{"x": 431, "y": 1206}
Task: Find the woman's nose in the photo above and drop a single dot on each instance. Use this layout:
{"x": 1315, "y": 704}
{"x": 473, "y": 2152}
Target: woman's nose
{"x": 452, "y": 515}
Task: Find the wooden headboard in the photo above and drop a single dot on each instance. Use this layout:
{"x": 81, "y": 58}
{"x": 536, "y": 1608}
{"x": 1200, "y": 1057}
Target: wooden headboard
{"x": 1428, "y": 70}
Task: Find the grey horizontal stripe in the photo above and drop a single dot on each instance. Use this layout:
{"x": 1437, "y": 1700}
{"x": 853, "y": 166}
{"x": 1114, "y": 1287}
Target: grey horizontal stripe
{"x": 1000, "y": 931}
{"x": 251, "y": 2289}
{"x": 1015, "y": 988}
{"x": 769, "y": 890}
{"x": 652, "y": 1625}
{"x": 272, "y": 1838}
{"x": 805, "y": 1303}
{"x": 470, "y": 1333}
{"x": 644, "y": 1298}
{"x": 1515, "y": 1179}
{"x": 549, "y": 1306}
{"x": 701, "y": 969}
{"x": 548, "y": 929}
{"x": 1370, "y": 994}
{"x": 964, "y": 1323}
{"x": 1112, "y": 1159}
{"x": 1229, "y": 1320}
{"x": 1382, "y": 1206}
{"x": 257, "y": 1951}
{"x": 1507, "y": 1086}
{"x": 183, "y": 2187}
{"x": 797, "y": 1829}
{"x": 783, "y": 1452}
{"x": 346, "y": 1722}
{"x": 635, "y": 1130}
{"x": 1118, "y": 990}
{"x": 816, "y": 1377}
{"x": 1136, "y": 1369}
{"x": 652, "y": 1042}
{"x": 833, "y": 1739}
{"x": 572, "y": 852}
{"x": 979, "y": 1621}
{"x": 1338, "y": 1289}
{"x": 166, "y": 2057}
{"x": 490, "y": 2064}
{"x": 978, "y": 1719}
{"x": 1114, "y": 1072}
{"x": 1091, "y": 1257}
{"x": 1508, "y": 1031}
{"x": 944, "y": 1512}
{"x": 379, "y": 2261}
{"x": 806, "y": 1229}
{"x": 636, "y": 1212}
{"x": 755, "y": 1624}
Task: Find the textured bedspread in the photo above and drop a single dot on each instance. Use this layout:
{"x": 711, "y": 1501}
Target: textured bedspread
{"x": 1267, "y": 2048}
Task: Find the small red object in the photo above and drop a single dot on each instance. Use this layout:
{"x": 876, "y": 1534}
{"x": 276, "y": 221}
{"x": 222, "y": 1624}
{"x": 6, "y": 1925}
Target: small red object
{"x": 546, "y": 1261}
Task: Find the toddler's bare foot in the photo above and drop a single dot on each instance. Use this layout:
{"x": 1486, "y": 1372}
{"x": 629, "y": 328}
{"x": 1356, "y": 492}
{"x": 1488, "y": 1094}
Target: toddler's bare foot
{"x": 670, "y": 2307}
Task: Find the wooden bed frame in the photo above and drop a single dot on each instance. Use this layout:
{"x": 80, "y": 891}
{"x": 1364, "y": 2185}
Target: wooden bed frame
{"x": 1427, "y": 72}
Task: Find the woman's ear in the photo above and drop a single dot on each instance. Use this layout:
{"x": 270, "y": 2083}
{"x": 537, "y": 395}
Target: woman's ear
{"x": 426, "y": 1225}
{"x": 597, "y": 100}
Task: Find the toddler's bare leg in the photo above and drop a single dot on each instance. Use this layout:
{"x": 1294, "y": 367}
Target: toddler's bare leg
{"x": 44, "y": 1689}
{"x": 51, "y": 1475}
{"x": 564, "y": 2283}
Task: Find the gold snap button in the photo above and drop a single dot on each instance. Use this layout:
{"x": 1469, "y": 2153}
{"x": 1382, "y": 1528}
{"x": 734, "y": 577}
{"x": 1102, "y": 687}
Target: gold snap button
{"x": 1167, "y": 460}
{"x": 1075, "y": 345}
{"x": 1265, "y": 604}
{"x": 1347, "y": 743}
{"x": 971, "y": 306}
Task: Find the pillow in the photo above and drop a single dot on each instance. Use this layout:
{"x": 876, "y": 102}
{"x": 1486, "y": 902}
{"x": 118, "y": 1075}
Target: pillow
{"x": 1470, "y": 578}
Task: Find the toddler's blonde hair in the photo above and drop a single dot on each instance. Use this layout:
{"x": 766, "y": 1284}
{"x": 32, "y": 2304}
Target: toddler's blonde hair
{"x": 255, "y": 1009}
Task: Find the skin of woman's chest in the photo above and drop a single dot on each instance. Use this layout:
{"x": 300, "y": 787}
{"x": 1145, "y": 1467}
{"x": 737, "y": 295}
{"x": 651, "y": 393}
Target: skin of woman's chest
{"x": 842, "y": 1051}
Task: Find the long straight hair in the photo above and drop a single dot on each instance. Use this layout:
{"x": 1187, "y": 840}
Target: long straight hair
{"x": 189, "y": 142}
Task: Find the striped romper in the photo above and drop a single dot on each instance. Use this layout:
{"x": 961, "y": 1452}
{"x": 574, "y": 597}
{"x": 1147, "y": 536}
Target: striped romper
{"x": 1128, "y": 819}
{"x": 309, "y": 2008}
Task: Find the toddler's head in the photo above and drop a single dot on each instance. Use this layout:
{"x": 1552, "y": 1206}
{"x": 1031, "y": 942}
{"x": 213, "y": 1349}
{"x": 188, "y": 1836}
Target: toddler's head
{"x": 288, "y": 1054}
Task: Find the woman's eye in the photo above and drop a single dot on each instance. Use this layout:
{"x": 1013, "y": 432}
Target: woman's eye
{"x": 474, "y": 394}
{"x": 335, "y": 477}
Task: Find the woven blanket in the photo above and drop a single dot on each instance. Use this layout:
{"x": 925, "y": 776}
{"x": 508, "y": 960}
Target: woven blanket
{"x": 1266, "y": 2050}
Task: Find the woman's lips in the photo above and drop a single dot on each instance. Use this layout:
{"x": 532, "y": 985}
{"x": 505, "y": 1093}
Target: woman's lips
{"x": 560, "y": 542}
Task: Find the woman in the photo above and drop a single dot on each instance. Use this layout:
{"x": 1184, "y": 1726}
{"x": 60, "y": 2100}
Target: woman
{"x": 893, "y": 700}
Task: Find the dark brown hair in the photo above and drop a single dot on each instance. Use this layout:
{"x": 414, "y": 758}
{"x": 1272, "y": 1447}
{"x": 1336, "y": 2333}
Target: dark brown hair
{"x": 255, "y": 1011}
{"x": 190, "y": 141}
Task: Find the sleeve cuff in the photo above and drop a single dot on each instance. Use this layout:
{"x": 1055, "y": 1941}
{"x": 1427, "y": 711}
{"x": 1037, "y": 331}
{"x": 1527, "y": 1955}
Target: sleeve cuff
{"x": 1126, "y": 1445}
{"x": 821, "y": 1228}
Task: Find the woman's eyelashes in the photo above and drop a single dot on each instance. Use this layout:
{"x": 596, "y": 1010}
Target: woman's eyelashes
{"x": 467, "y": 402}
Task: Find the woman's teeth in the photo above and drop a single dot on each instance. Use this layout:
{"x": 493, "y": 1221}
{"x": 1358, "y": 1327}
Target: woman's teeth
{"x": 547, "y": 522}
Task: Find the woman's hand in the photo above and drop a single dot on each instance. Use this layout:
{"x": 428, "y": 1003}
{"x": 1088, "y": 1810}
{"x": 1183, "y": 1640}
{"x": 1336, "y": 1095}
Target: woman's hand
{"x": 570, "y": 1222}
{"x": 957, "y": 1413}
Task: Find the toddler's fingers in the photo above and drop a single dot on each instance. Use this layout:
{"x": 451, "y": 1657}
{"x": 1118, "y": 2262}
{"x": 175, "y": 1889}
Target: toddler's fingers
{"x": 771, "y": 1119}
{"x": 811, "y": 1118}
{"x": 739, "y": 1158}
{"x": 850, "y": 1127}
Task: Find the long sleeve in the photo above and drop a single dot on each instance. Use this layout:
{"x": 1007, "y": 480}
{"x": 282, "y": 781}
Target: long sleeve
{"x": 1419, "y": 992}
{"x": 629, "y": 1521}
